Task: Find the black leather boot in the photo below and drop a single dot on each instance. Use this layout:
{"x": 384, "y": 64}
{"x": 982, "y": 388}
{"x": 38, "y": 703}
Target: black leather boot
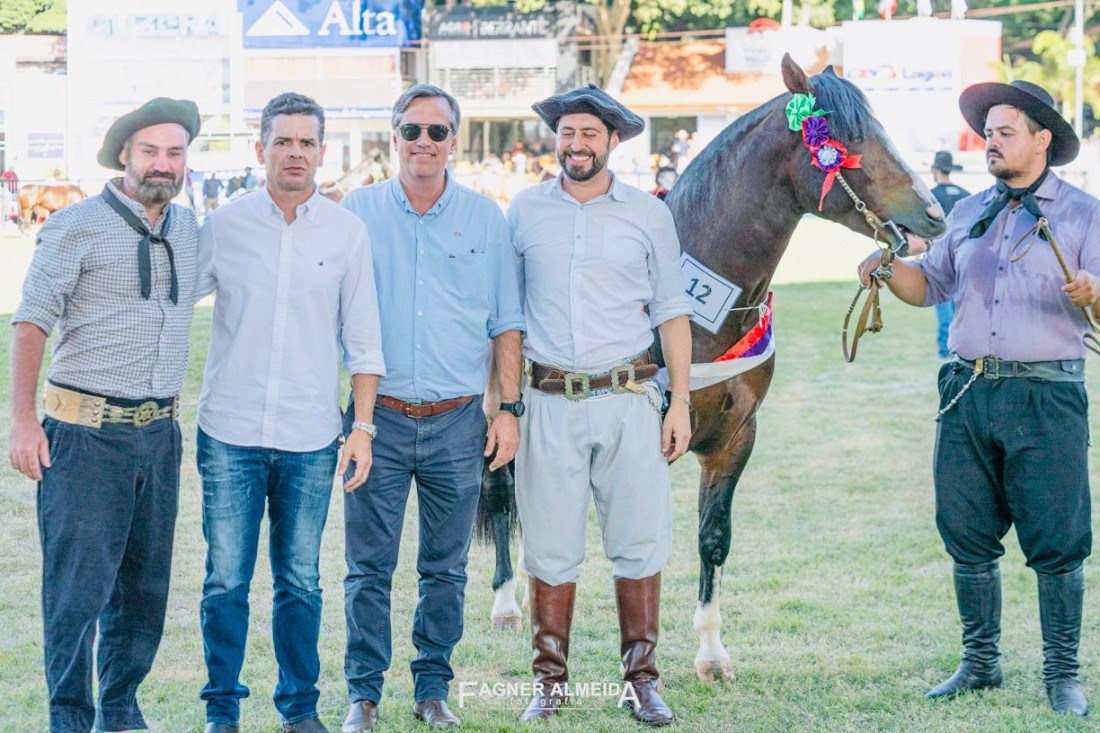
{"x": 1060, "y": 600}
{"x": 978, "y": 593}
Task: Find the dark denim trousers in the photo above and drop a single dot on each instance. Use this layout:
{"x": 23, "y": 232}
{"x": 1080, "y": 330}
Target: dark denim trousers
{"x": 444, "y": 454}
{"x": 237, "y": 483}
{"x": 106, "y": 517}
{"x": 1013, "y": 451}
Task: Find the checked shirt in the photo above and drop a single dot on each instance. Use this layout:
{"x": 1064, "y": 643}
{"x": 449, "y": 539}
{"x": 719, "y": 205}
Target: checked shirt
{"x": 84, "y": 280}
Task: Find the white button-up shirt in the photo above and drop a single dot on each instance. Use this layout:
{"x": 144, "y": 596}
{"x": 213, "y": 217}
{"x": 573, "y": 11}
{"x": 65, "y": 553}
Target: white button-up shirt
{"x": 290, "y": 298}
{"x": 596, "y": 277}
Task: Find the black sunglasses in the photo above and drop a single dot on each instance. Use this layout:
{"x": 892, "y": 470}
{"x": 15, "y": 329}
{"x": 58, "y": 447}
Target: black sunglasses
{"x": 437, "y": 133}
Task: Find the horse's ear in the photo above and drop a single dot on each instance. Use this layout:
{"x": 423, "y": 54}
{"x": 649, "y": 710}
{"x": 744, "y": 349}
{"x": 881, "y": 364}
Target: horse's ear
{"x": 794, "y": 77}
{"x": 829, "y": 70}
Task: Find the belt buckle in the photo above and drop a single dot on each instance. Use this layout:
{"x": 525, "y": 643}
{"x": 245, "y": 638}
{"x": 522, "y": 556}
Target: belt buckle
{"x": 991, "y": 367}
{"x": 628, "y": 370}
{"x": 572, "y": 391}
{"x": 144, "y": 414}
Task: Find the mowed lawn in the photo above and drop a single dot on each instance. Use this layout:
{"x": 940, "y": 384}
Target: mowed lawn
{"x": 837, "y": 602}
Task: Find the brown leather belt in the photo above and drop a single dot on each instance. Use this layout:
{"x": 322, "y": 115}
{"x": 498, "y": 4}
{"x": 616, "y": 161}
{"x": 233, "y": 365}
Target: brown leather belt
{"x": 579, "y": 385}
{"x": 424, "y": 409}
{"x": 91, "y": 411}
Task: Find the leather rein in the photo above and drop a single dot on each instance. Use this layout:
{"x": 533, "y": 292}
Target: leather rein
{"x": 890, "y": 240}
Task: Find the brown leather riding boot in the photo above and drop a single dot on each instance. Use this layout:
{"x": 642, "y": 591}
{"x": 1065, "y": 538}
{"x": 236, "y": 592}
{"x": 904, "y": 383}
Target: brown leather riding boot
{"x": 639, "y": 614}
{"x": 551, "y": 619}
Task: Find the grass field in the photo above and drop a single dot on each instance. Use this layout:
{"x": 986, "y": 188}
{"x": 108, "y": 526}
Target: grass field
{"x": 838, "y": 608}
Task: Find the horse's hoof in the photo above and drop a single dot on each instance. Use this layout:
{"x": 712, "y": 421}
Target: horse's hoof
{"x": 507, "y": 623}
{"x": 714, "y": 670}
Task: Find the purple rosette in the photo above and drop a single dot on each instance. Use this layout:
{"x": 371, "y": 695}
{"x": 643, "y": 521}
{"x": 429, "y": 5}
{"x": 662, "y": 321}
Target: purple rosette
{"x": 815, "y": 131}
{"x": 827, "y": 157}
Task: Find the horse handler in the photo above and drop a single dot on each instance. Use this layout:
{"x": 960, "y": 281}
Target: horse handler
{"x": 116, "y": 275}
{"x": 1011, "y": 446}
{"x": 600, "y": 265}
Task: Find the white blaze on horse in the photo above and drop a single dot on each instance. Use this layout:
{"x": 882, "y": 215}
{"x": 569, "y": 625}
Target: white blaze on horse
{"x": 736, "y": 207}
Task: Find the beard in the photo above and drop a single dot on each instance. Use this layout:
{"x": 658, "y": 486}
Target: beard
{"x": 578, "y": 173}
{"x": 155, "y": 188}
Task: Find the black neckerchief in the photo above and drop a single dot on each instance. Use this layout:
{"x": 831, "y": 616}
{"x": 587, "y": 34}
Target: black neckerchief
{"x": 1026, "y": 197}
{"x": 145, "y": 267}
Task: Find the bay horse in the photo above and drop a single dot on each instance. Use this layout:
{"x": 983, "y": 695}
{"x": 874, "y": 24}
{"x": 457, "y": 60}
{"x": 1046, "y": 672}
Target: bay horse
{"x": 736, "y": 207}
{"x": 35, "y": 198}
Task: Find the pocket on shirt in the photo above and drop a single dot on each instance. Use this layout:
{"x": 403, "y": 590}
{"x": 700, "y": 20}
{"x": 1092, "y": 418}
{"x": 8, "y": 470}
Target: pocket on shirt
{"x": 466, "y": 275}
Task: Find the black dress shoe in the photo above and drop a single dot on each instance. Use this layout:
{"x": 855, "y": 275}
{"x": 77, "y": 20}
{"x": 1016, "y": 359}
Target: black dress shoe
{"x": 309, "y": 725}
{"x": 436, "y": 714}
{"x": 362, "y": 717}
{"x": 220, "y": 728}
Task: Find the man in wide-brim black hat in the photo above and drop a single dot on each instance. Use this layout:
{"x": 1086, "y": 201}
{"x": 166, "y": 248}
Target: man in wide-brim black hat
{"x": 600, "y": 260}
{"x": 1011, "y": 446}
{"x": 115, "y": 275}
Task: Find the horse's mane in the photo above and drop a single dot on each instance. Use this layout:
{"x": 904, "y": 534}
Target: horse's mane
{"x": 848, "y": 108}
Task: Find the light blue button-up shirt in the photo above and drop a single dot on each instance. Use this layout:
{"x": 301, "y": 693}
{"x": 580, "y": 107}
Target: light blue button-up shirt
{"x": 290, "y": 298}
{"x": 446, "y": 285}
{"x": 597, "y": 276}
{"x": 1015, "y": 310}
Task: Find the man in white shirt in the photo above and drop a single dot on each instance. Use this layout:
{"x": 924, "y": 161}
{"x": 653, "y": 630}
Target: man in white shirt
{"x": 600, "y": 268}
{"x": 295, "y": 287}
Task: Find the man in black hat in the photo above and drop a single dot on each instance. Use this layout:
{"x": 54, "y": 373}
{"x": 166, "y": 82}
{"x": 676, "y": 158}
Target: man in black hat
{"x": 948, "y": 194}
{"x": 1011, "y": 446}
{"x": 600, "y": 265}
{"x": 116, "y": 274}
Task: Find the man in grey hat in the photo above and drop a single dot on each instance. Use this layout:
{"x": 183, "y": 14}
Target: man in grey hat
{"x": 1011, "y": 445}
{"x": 115, "y": 274}
{"x": 600, "y": 268}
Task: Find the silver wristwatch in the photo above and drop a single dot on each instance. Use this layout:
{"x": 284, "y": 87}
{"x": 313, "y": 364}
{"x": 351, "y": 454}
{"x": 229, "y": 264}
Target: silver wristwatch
{"x": 367, "y": 427}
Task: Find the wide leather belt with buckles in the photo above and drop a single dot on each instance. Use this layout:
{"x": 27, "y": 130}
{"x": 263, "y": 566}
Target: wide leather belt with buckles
{"x": 423, "y": 409}
{"x": 1065, "y": 370}
{"x": 92, "y": 411}
{"x": 580, "y": 385}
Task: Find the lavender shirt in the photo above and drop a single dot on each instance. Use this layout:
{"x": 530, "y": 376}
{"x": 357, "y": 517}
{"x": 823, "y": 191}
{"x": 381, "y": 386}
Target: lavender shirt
{"x": 1015, "y": 310}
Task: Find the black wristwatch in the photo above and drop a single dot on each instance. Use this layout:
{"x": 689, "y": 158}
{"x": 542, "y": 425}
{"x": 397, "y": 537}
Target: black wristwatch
{"x": 516, "y": 408}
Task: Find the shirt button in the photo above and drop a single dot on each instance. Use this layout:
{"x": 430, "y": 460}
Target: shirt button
{"x": 997, "y": 302}
{"x": 994, "y": 333}
{"x": 421, "y": 251}
{"x": 420, "y": 313}
{"x": 419, "y": 282}
{"x": 578, "y": 236}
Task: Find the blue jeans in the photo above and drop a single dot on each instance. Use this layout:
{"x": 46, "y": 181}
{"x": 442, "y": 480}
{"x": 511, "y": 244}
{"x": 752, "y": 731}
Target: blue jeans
{"x": 444, "y": 454}
{"x": 236, "y": 483}
{"x": 944, "y": 313}
{"x": 106, "y": 517}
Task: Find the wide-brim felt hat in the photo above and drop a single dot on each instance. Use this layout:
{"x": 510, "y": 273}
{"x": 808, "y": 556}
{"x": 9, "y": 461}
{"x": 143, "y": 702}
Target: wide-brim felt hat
{"x": 594, "y": 101}
{"x": 159, "y": 111}
{"x": 945, "y": 162}
{"x": 976, "y": 100}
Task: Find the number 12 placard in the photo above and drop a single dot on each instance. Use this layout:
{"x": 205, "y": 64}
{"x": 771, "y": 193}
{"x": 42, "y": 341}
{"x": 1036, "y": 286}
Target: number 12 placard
{"x": 711, "y": 295}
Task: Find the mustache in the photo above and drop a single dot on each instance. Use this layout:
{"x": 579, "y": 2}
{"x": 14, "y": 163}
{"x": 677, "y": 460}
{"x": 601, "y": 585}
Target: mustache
{"x": 157, "y": 174}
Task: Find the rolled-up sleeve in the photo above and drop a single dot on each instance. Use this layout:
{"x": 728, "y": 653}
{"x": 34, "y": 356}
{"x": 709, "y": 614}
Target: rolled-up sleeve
{"x": 360, "y": 329}
{"x": 669, "y": 299}
{"x": 52, "y": 277}
{"x": 939, "y": 266}
{"x": 505, "y": 306}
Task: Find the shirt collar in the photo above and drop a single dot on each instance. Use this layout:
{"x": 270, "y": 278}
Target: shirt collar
{"x": 1048, "y": 189}
{"x": 617, "y": 192}
{"x": 308, "y": 208}
{"x": 403, "y": 200}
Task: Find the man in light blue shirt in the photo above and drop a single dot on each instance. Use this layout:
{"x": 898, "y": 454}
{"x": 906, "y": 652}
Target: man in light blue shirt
{"x": 295, "y": 287}
{"x": 446, "y": 275}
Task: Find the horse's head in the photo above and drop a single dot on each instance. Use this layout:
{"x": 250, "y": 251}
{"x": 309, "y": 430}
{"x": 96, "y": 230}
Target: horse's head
{"x": 868, "y": 162}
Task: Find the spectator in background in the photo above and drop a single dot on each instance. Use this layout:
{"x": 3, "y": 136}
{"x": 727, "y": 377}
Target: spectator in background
{"x": 250, "y": 181}
{"x": 665, "y": 178}
{"x": 210, "y": 189}
{"x": 948, "y": 194}
{"x": 678, "y": 151}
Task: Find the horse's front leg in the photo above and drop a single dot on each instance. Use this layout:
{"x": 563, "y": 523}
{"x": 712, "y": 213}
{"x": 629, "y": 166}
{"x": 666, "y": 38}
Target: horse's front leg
{"x": 496, "y": 515}
{"x": 716, "y": 486}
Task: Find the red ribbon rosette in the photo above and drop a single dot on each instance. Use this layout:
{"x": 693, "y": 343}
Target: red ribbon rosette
{"x": 830, "y": 157}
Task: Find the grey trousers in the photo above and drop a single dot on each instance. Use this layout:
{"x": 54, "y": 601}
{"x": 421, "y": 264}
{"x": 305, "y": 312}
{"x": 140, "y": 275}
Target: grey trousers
{"x": 609, "y": 447}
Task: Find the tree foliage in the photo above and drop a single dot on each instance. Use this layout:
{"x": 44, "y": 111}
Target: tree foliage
{"x": 32, "y": 16}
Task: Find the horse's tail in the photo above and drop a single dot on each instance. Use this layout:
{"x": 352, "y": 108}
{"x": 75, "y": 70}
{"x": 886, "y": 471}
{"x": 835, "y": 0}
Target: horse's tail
{"x": 496, "y": 508}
